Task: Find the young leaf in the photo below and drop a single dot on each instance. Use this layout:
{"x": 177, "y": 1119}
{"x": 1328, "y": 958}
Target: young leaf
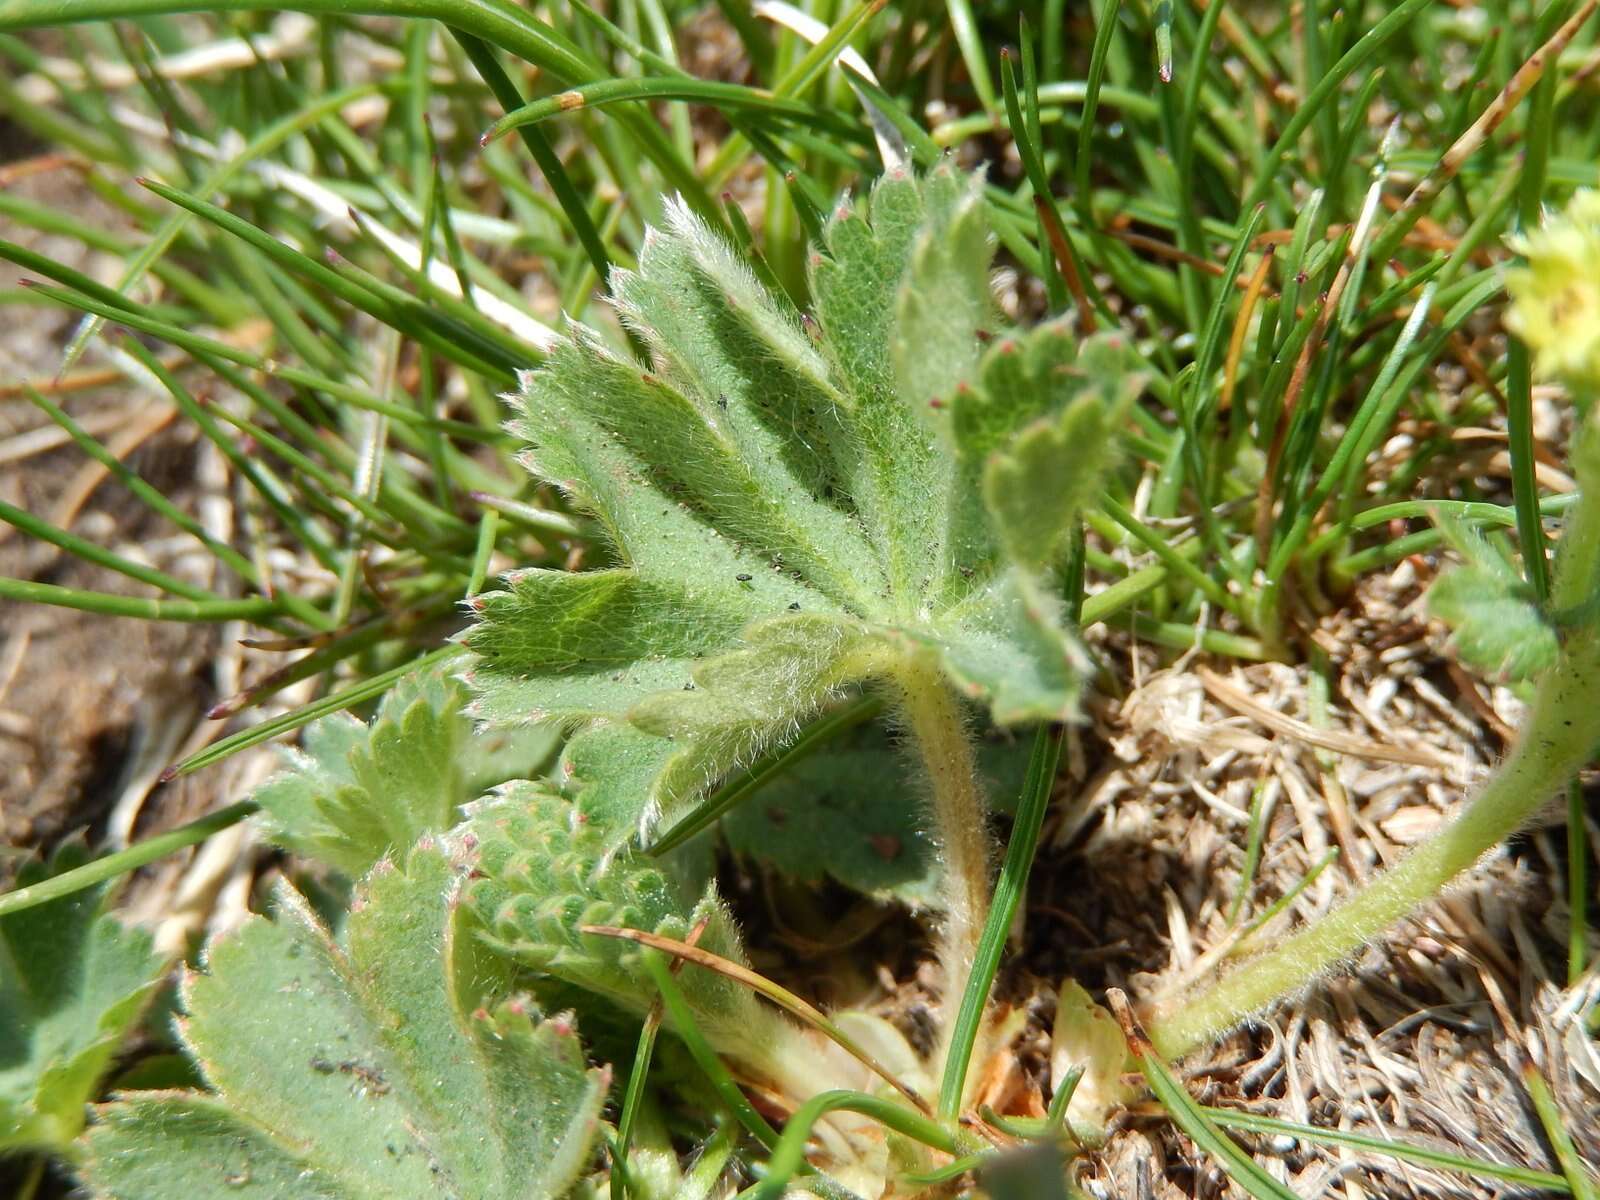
{"x": 799, "y": 507}
{"x": 545, "y": 872}
{"x": 1496, "y": 619}
{"x": 354, "y": 793}
{"x": 362, "y": 1071}
{"x": 73, "y": 980}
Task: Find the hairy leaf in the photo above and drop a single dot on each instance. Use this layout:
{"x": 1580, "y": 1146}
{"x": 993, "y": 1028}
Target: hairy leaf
{"x": 545, "y": 872}
{"x": 355, "y": 793}
{"x": 73, "y": 980}
{"x": 797, "y": 507}
{"x": 843, "y": 815}
{"x": 1496, "y": 620}
{"x": 368, "y": 1070}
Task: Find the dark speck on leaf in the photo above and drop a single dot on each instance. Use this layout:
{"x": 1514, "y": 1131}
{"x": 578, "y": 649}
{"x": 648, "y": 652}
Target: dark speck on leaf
{"x": 743, "y": 577}
{"x": 795, "y": 607}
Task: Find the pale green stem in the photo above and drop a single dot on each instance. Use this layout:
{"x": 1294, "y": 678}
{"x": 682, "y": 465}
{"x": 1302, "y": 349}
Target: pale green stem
{"x": 960, "y": 818}
{"x": 1562, "y": 730}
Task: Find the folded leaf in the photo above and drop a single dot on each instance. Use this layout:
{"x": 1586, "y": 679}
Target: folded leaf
{"x": 370, "y": 1070}
{"x": 783, "y": 673}
{"x": 1007, "y": 645}
{"x": 545, "y": 872}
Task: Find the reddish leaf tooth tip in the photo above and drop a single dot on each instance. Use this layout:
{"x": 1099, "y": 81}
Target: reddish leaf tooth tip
{"x": 885, "y": 845}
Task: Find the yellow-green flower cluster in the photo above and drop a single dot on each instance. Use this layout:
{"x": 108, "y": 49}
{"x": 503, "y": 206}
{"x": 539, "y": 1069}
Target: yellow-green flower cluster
{"x": 1555, "y": 298}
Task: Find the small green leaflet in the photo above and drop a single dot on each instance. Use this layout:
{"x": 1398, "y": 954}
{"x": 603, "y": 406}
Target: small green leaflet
{"x": 371, "y": 1070}
{"x": 354, "y": 793}
{"x": 1497, "y": 623}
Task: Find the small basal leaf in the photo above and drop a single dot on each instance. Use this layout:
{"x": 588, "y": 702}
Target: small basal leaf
{"x": 843, "y": 815}
{"x": 372, "y": 1069}
{"x": 545, "y": 873}
{"x": 355, "y": 793}
{"x": 1494, "y": 616}
{"x": 73, "y": 980}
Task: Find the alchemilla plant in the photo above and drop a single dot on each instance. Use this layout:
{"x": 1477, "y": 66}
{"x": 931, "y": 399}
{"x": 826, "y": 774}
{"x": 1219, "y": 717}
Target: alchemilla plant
{"x": 879, "y": 494}
{"x": 878, "y": 498}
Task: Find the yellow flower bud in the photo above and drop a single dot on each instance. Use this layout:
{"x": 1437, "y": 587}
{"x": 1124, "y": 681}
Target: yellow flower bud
{"x": 1555, "y": 298}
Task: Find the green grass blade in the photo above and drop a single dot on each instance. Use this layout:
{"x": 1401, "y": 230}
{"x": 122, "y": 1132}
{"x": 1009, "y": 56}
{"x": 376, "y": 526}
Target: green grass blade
{"x": 1421, "y": 1155}
{"x": 255, "y": 608}
{"x": 124, "y": 861}
{"x": 1191, "y": 1117}
{"x": 1009, "y": 891}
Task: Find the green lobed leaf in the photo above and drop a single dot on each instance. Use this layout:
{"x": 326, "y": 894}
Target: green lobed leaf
{"x": 1008, "y": 646}
{"x": 796, "y": 509}
{"x": 370, "y": 1070}
{"x": 943, "y": 305}
{"x": 842, "y": 816}
{"x": 1051, "y": 469}
{"x": 1497, "y": 623}
{"x": 73, "y": 981}
{"x": 355, "y": 793}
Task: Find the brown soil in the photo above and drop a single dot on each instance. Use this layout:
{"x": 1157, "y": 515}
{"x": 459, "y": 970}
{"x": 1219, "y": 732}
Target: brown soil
{"x": 91, "y": 707}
